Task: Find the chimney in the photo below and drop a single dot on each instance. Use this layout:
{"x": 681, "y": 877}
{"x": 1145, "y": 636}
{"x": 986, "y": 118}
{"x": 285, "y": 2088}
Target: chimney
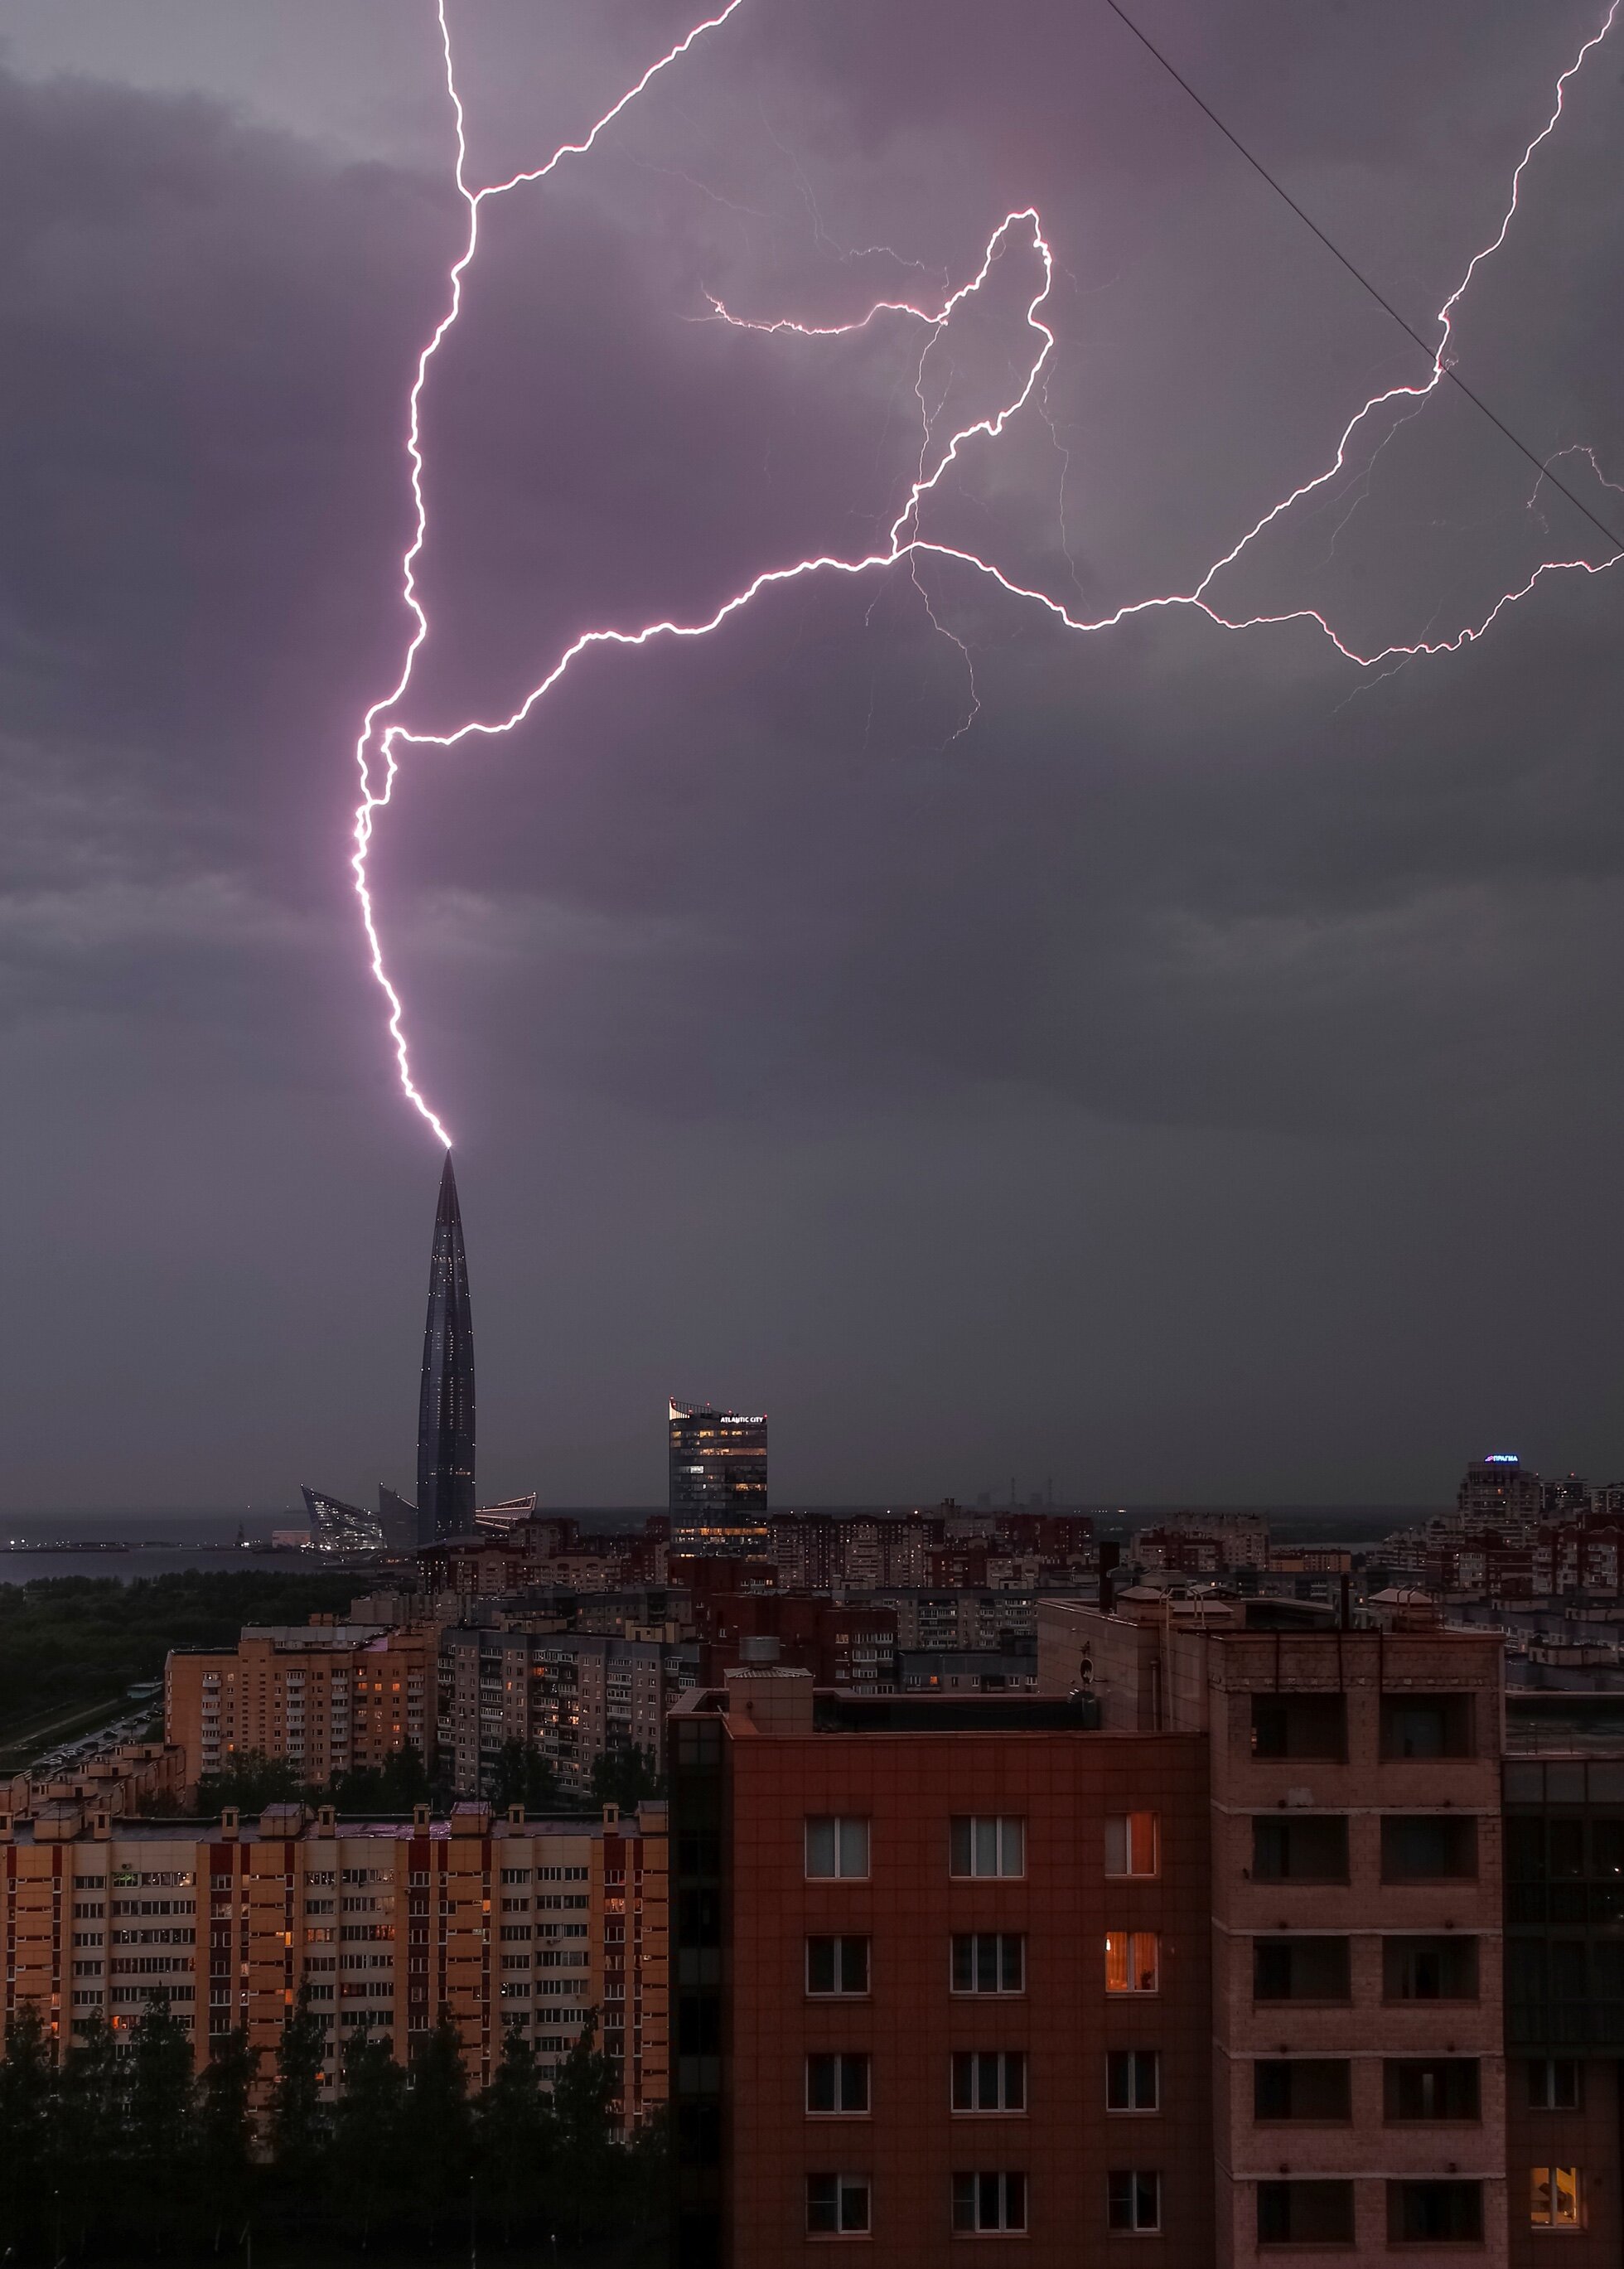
{"x": 228, "y": 1823}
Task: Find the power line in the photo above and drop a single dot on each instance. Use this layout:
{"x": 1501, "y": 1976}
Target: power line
{"x": 1336, "y": 252}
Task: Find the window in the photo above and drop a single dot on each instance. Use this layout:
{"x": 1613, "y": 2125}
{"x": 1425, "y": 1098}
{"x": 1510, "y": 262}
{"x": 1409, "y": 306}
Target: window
{"x": 1553, "y": 2084}
{"x": 1132, "y": 1844}
{"x": 837, "y": 1846}
{"x": 989, "y": 1962}
{"x": 1431, "y": 2087}
{"x": 1554, "y": 2197}
{"x": 1133, "y": 2199}
{"x": 1426, "y": 1726}
{"x": 1132, "y": 1960}
{"x": 1133, "y": 2079}
{"x": 1305, "y": 2213}
{"x": 987, "y": 1846}
{"x": 837, "y": 2083}
{"x": 837, "y": 1965}
{"x": 1311, "y": 1849}
{"x": 1418, "y": 1847}
{"x": 989, "y": 2080}
{"x": 1300, "y": 1970}
{"x": 1302, "y": 2087}
{"x": 1435, "y": 2213}
{"x": 1429, "y": 1969}
{"x": 837, "y": 2206}
{"x": 988, "y": 2202}
{"x": 1299, "y": 1726}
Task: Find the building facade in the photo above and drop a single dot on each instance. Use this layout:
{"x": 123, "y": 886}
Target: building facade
{"x": 502, "y": 1923}
{"x": 323, "y": 1696}
{"x": 446, "y": 1498}
{"x": 717, "y": 1461}
{"x": 573, "y": 1696}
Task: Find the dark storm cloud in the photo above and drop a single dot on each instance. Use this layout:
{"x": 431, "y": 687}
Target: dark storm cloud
{"x": 990, "y": 1082}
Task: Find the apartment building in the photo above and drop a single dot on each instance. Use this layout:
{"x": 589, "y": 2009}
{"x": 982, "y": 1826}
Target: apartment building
{"x": 503, "y": 1921}
{"x": 942, "y": 1972}
{"x": 324, "y": 1697}
{"x": 574, "y": 1695}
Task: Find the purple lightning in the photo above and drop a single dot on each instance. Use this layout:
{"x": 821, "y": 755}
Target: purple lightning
{"x": 380, "y": 737}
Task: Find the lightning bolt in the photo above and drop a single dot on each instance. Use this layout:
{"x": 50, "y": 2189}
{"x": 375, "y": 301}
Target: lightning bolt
{"x": 382, "y": 734}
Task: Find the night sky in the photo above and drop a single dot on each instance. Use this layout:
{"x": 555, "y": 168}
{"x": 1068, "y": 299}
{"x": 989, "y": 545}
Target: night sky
{"x": 1199, "y": 1079}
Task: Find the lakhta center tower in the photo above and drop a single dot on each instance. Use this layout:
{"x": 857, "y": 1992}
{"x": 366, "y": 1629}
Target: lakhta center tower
{"x": 445, "y": 1409}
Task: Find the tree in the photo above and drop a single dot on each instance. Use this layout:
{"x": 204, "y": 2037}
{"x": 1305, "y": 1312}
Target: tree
{"x": 584, "y": 2128}
{"x": 251, "y": 1781}
{"x": 160, "y": 2103}
{"x": 396, "y": 1785}
{"x": 523, "y": 1775}
{"x": 224, "y": 2134}
{"x": 368, "y": 2162}
{"x": 627, "y": 1778}
{"x": 514, "y": 2135}
{"x": 298, "y": 2115}
{"x": 90, "y": 2137}
{"x": 27, "y": 2102}
{"x": 438, "y": 2124}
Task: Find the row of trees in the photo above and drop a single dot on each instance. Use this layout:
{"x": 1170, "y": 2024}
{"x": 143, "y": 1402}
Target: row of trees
{"x": 523, "y": 1774}
{"x": 119, "y": 2149}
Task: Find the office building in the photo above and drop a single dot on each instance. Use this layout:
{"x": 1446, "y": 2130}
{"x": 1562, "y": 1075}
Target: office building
{"x": 502, "y": 1922}
{"x": 336, "y": 1526}
{"x": 445, "y": 1403}
{"x": 717, "y": 1482}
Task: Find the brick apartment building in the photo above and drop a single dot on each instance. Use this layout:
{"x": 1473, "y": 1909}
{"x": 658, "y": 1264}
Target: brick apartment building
{"x": 502, "y": 1922}
{"x": 324, "y": 1697}
{"x": 1210, "y": 1943}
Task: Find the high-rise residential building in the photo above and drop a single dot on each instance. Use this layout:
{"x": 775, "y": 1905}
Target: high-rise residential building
{"x": 717, "y": 1482}
{"x": 446, "y": 1405}
{"x": 323, "y": 1696}
{"x": 574, "y": 1695}
{"x": 1209, "y": 1943}
{"x": 384, "y": 1924}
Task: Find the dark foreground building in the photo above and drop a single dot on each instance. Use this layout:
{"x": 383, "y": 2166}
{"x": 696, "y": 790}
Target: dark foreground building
{"x": 1246, "y": 1939}
{"x": 446, "y": 1406}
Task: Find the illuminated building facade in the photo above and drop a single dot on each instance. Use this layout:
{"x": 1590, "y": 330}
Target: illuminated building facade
{"x": 336, "y": 1526}
{"x": 445, "y": 1407}
{"x": 719, "y": 1482}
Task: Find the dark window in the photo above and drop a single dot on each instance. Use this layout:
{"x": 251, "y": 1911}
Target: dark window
{"x": 699, "y": 1918}
{"x": 837, "y": 1965}
{"x": 1305, "y": 2213}
{"x": 1421, "y": 1847}
{"x": 989, "y": 1962}
{"x": 1434, "y": 2214}
{"x": 1553, "y": 2084}
{"x": 1525, "y": 1849}
{"x": 837, "y": 2083}
{"x": 1431, "y": 2087}
{"x": 1133, "y": 2080}
{"x": 1429, "y": 1969}
{"x": 698, "y": 2024}
{"x": 1302, "y": 2087}
{"x": 989, "y": 2202}
{"x": 1133, "y": 2199}
{"x": 990, "y": 1844}
{"x": 989, "y": 2080}
{"x": 1565, "y": 1856}
{"x": 1311, "y": 1849}
{"x": 1426, "y": 1726}
{"x": 1298, "y": 1725}
{"x": 1607, "y": 1847}
{"x": 837, "y": 2206}
{"x": 699, "y": 2134}
{"x": 1300, "y": 1970}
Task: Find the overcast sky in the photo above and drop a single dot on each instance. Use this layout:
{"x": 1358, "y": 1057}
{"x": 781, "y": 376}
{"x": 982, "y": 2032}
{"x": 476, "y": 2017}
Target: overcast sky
{"x": 1198, "y": 1078}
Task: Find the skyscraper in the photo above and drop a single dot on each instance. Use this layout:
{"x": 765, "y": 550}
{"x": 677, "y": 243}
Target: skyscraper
{"x": 445, "y": 1409}
{"x": 718, "y": 1481}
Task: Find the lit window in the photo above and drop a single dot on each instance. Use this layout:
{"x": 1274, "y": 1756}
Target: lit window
{"x": 1133, "y": 2199}
{"x": 1132, "y": 1960}
{"x": 988, "y": 1845}
{"x": 989, "y": 2202}
{"x": 1554, "y": 2197}
{"x": 836, "y": 1847}
{"x": 1132, "y": 1844}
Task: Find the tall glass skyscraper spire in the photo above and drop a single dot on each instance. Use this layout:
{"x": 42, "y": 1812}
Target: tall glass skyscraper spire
{"x": 445, "y": 1409}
